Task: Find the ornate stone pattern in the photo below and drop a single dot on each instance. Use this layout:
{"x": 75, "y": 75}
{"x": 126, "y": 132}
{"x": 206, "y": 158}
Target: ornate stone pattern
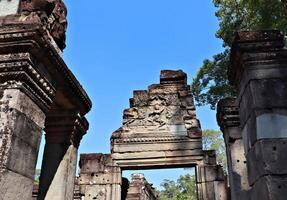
{"x": 18, "y": 71}
{"x": 166, "y": 109}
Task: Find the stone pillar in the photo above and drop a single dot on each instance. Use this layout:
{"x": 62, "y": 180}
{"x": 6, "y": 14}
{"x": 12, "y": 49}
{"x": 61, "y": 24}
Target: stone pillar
{"x": 211, "y": 183}
{"x": 99, "y": 178}
{"x": 25, "y": 94}
{"x": 33, "y": 78}
{"x": 259, "y": 73}
{"x": 64, "y": 131}
{"x": 228, "y": 120}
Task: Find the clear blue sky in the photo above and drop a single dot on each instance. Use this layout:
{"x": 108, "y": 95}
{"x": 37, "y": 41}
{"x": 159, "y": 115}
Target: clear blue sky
{"x": 117, "y": 46}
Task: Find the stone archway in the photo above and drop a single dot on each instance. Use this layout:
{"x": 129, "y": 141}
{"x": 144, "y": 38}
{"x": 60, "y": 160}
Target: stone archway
{"x": 160, "y": 130}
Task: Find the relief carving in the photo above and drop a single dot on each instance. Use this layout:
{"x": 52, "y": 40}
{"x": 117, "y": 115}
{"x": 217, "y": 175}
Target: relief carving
{"x": 130, "y": 115}
{"x": 162, "y": 111}
{"x": 51, "y": 13}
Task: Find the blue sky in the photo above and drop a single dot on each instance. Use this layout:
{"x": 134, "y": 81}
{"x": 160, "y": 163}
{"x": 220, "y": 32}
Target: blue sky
{"x": 115, "y": 47}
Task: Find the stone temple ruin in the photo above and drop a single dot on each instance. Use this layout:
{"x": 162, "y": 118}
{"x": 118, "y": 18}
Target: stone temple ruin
{"x": 160, "y": 130}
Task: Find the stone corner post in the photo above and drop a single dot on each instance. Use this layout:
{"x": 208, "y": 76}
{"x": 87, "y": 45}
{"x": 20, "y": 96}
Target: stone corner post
{"x": 229, "y": 122}
{"x": 33, "y": 80}
{"x": 259, "y": 73}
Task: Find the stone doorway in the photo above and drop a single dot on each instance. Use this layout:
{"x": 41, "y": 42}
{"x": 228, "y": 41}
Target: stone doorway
{"x": 160, "y": 131}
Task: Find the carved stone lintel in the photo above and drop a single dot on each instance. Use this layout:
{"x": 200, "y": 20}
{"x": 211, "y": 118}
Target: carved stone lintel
{"x": 18, "y": 71}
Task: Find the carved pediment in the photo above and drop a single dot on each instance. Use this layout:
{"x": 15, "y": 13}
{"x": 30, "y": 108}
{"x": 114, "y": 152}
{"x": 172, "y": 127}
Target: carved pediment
{"x": 160, "y": 129}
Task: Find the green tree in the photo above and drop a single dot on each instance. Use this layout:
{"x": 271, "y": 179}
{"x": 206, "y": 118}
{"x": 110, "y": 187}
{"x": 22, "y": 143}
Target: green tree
{"x": 183, "y": 189}
{"x": 213, "y": 140}
{"x": 211, "y": 84}
{"x": 185, "y": 186}
{"x": 37, "y": 176}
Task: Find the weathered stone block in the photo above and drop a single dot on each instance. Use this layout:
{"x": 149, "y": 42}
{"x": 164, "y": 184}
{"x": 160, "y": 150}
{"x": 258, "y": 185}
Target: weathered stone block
{"x": 9, "y": 181}
{"x": 173, "y": 77}
{"x": 62, "y": 185}
{"x": 238, "y": 167}
{"x": 271, "y": 126}
{"x": 140, "y": 98}
{"x": 270, "y": 188}
{"x": 267, "y": 157}
{"x": 209, "y": 157}
{"x": 260, "y": 94}
{"x": 253, "y": 42}
{"x": 209, "y": 173}
{"x": 99, "y": 177}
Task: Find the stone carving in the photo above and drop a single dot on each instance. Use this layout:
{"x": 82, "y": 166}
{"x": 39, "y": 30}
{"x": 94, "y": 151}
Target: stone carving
{"x": 160, "y": 124}
{"x": 57, "y": 24}
{"x": 163, "y": 106}
{"x": 51, "y": 13}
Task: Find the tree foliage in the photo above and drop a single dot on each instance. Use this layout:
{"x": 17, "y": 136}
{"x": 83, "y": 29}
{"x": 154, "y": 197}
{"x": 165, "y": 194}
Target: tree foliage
{"x": 185, "y": 186}
{"x": 183, "y": 189}
{"x": 213, "y": 140}
{"x": 37, "y": 176}
{"x": 210, "y": 83}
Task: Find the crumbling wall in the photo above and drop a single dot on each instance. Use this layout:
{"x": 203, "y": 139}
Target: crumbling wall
{"x": 140, "y": 189}
{"x": 99, "y": 177}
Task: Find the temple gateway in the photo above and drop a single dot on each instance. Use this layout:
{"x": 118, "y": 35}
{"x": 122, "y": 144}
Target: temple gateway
{"x": 160, "y": 129}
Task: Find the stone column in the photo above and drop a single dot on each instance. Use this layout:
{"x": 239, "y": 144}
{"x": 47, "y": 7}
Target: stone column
{"x": 25, "y": 94}
{"x": 99, "y": 178}
{"x": 211, "y": 183}
{"x": 228, "y": 120}
{"x": 64, "y": 131}
{"x": 33, "y": 78}
{"x": 259, "y": 72}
